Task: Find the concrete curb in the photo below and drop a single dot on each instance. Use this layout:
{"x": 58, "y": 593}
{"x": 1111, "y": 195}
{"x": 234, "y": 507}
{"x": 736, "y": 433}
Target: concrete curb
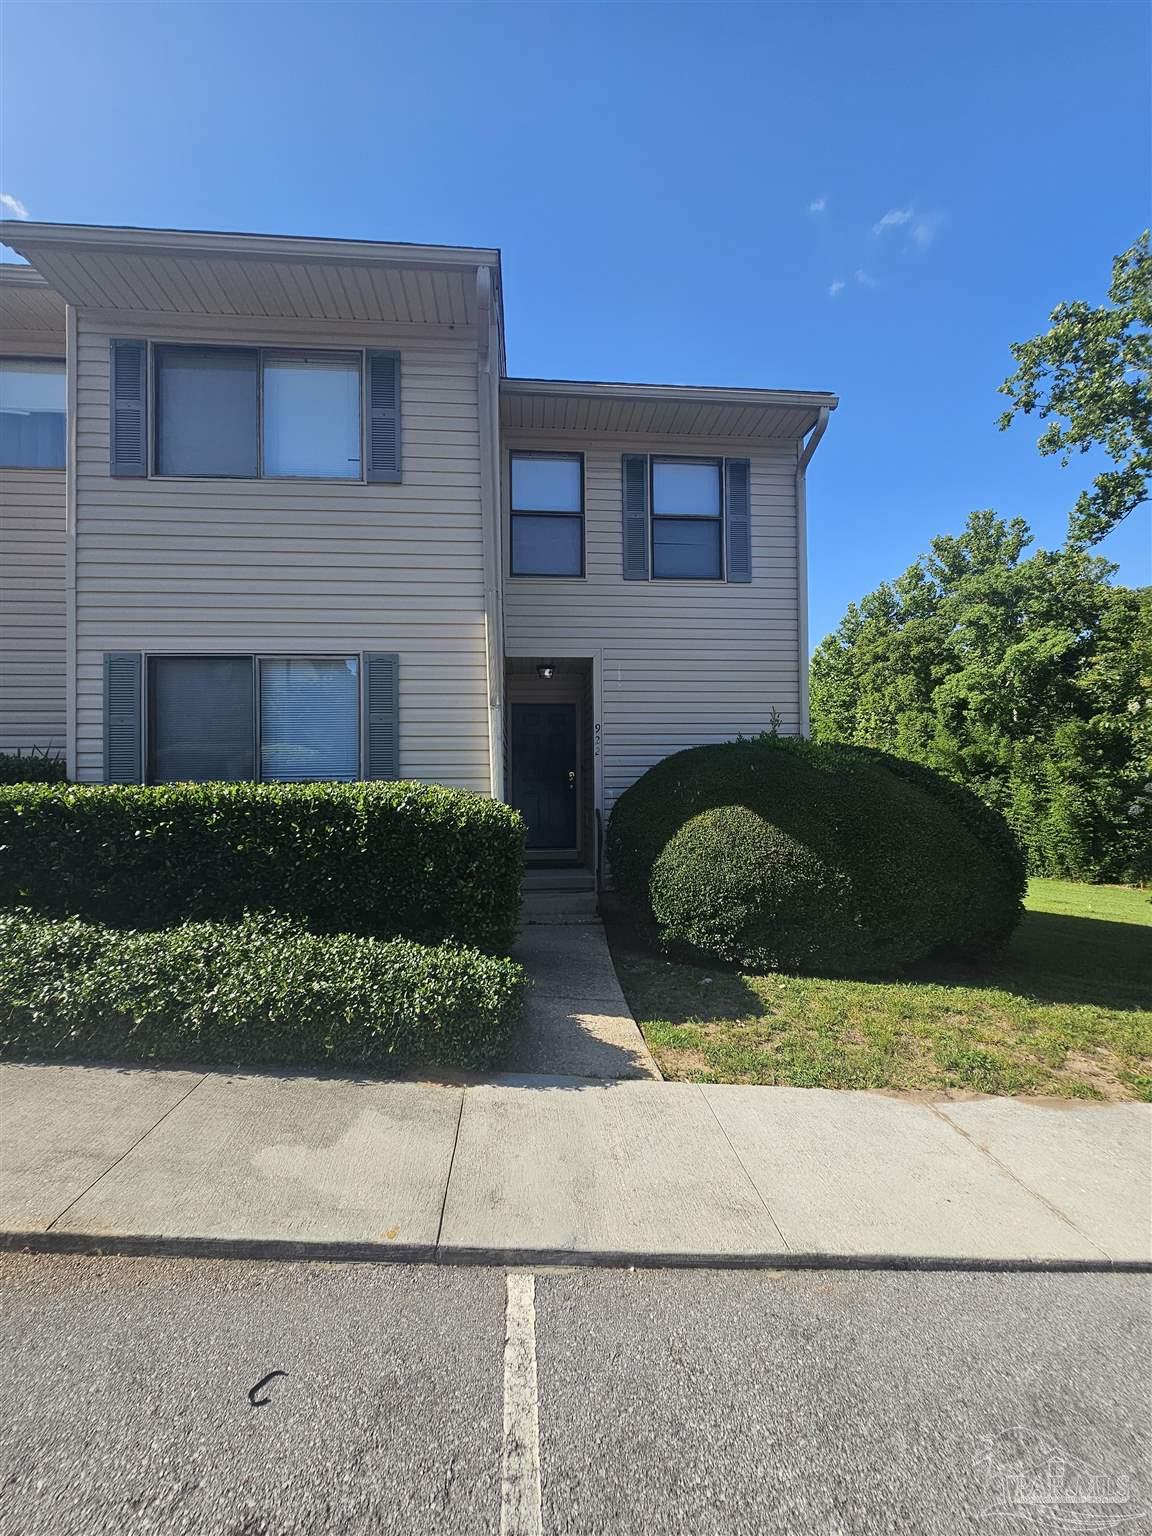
{"x": 296, "y": 1250}
{"x": 142, "y": 1245}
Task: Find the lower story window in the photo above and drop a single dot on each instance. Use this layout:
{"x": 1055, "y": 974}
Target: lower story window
{"x": 276, "y": 718}
{"x": 201, "y": 719}
{"x": 309, "y": 718}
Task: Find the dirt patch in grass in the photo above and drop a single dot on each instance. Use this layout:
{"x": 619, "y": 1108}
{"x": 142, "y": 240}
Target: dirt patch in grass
{"x": 692, "y": 1066}
{"x": 1094, "y": 1076}
{"x": 1066, "y": 1011}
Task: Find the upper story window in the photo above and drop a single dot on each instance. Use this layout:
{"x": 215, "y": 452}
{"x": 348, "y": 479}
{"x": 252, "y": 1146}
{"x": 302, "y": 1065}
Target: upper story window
{"x": 245, "y": 412}
{"x": 687, "y": 520}
{"x": 547, "y": 514}
{"x": 33, "y": 412}
{"x": 207, "y": 411}
{"x": 311, "y": 416}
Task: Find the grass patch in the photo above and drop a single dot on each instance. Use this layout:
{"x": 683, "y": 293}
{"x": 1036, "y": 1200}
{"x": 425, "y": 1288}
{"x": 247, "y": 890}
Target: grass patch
{"x": 1066, "y": 1010}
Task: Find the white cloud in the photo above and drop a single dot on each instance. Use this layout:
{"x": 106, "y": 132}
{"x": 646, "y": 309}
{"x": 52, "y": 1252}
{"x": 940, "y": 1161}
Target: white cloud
{"x": 893, "y": 219}
{"x": 920, "y": 227}
{"x": 863, "y": 278}
{"x": 836, "y": 287}
{"x": 818, "y": 205}
{"x": 14, "y": 206}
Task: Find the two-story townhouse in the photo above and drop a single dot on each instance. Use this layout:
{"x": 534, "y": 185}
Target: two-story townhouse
{"x": 664, "y": 607}
{"x": 278, "y": 565}
{"x": 33, "y": 619}
{"x": 313, "y": 530}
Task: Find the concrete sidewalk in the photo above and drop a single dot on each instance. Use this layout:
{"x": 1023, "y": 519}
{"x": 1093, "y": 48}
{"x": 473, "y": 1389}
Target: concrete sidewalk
{"x": 553, "y": 1169}
{"x": 576, "y": 1020}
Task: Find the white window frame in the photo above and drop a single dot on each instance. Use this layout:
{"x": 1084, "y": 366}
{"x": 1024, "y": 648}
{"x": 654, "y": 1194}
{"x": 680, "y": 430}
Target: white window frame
{"x": 582, "y": 514}
{"x": 682, "y": 517}
{"x": 32, "y": 357}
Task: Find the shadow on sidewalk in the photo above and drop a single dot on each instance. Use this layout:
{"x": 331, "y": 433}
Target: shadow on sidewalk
{"x": 434, "y": 1077}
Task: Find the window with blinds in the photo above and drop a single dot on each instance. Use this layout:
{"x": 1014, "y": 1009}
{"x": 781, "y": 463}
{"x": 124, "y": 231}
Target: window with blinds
{"x": 547, "y": 514}
{"x": 207, "y": 411}
{"x": 309, "y": 718}
{"x": 687, "y": 525}
{"x": 249, "y": 412}
{"x": 32, "y": 413}
{"x": 284, "y": 719}
{"x": 312, "y": 415}
{"x": 201, "y": 721}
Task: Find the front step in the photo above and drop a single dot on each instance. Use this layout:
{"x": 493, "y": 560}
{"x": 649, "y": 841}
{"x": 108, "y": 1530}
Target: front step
{"x": 542, "y": 878}
{"x": 559, "y": 907}
{"x": 559, "y": 896}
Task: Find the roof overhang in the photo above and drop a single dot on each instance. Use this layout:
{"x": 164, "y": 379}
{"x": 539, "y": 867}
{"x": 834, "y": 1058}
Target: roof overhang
{"x": 191, "y": 272}
{"x": 659, "y": 410}
{"x": 31, "y": 312}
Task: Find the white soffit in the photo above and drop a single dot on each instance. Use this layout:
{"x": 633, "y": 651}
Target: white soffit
{"x": 29, "y": 306}
{"x": 653, "y": 410}
{"x": 187, "y": 273}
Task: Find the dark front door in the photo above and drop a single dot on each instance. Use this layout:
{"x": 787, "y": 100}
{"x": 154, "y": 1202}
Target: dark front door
{"x": 545, "y": 762}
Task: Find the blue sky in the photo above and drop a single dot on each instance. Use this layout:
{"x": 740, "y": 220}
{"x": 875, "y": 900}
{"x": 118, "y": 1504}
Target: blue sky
{"x": 676, "y": 190}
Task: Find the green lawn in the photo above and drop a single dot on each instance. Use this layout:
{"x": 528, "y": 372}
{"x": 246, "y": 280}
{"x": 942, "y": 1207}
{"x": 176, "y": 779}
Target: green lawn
{"x": 1066, "y": 1010}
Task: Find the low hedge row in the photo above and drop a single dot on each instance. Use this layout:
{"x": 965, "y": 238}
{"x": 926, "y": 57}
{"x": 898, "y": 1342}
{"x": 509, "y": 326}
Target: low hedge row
{"x": 258, "y": 992}
{"x": 31, "y": 768}
{"x": 386, "y": 859}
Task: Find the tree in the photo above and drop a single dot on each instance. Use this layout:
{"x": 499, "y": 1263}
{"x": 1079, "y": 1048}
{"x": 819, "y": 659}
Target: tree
{"x": 1090, "y": 370}
{"x": 1027, "y": 677}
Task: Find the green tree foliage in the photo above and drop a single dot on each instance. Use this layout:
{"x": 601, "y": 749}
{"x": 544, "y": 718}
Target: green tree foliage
{"x": 1090, "y": 371}
{"x": 1027, "y": 677}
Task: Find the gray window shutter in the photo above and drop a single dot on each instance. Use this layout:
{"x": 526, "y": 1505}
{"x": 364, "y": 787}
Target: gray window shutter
{"x": 384, "y": 416}
{"x": 123, "y": 735}
{"x": 635, "y": 494}
{"x": 381, "y": 716}
{"x": 738, "y": 519}
{"x": 129, "y": 408}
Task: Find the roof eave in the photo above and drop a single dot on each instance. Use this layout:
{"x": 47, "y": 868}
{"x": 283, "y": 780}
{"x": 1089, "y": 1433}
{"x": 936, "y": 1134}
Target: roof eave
{"x": 19, "y": 233}
{"x": 18, "y": 275}
{"x": 587, "y": 389}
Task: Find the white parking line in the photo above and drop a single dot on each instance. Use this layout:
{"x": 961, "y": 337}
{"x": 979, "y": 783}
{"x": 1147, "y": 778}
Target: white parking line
{"x": 520, "y": 1481}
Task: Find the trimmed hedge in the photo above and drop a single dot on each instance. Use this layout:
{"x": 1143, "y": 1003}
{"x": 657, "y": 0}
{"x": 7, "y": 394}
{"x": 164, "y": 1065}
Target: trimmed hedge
{"x": 779, "y": 854}
{"x": 262, "y": 991}
{"x": 981, "y": 819}
{"x": 31, "y": 768}
{"x": 386, "y": 859}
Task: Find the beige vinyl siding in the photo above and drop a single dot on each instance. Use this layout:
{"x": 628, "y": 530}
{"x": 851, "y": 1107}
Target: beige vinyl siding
{"x": 32, "y": 610}
{"x": 682, "y": 662}
{"x": 298, "y": 567}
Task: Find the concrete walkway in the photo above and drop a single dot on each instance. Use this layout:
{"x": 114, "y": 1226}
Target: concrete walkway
{"x": 530, "y": 1169}
{"x": 576, "y": 1020}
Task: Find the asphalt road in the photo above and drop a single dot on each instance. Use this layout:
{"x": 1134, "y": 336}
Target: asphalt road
{"x": 683, "y": 1402}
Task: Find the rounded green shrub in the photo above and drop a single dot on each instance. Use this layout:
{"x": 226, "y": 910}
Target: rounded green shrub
{"x": 781, "y": 854}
